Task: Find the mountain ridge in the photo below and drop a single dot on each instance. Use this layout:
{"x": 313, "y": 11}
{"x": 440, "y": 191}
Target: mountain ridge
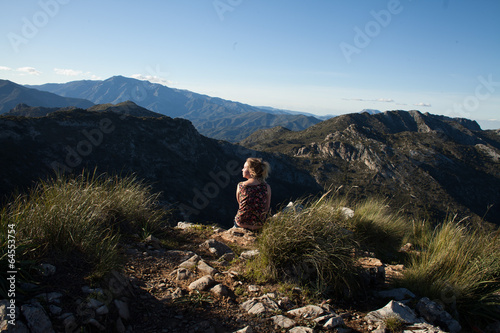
{"x": 432, "y": 162}
{"x": 12, "y": 94}
{"x": 206, "y": 112}
{"x": 196, "y": 174}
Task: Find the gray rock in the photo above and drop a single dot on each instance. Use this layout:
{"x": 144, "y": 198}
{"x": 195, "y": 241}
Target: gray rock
{"x": 301, "y": 329}
{"x": 191, "y": 262}
{"x": 55, "y": 310}
{"x": 249, "y": 254}
{"x": 393, "y": 308}
{"x": 216, "y": 247}
{"x": 70, "y": 324}
{"x": 283, "y": 322}
{"x": 422, "y": 328}
{"x": 96, "y": 324}
{"x": 181, "y": 274}
{"x": 186, "y": 225}
{"x": 102, "y": 310}
{"x": 436, "y": 315}
{"x": 94, "y": 304}
{"x": 220, "y": 290}
{"x": 260, "y": 305}
{"x": 333, "y": 321}
{"x": 203, "y": 283}
{"x": 36, "y": 318}
{"x": 247, "y": 329}
{"x": 153, "y": 241}
{"x": 253, "y": 288}
{"x": 307, "y": 312}
{"x": 47, "y": 269}
{"x": 257, "y": 309}
{"x": 203, "y": 267}
{"x": 123, "y": 309}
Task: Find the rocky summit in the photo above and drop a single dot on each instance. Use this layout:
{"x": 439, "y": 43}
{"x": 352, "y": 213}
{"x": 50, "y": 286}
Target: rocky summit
{"x": 430, "y": 165}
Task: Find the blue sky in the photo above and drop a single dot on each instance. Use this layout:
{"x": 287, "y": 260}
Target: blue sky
{"x": 323, "y": 56}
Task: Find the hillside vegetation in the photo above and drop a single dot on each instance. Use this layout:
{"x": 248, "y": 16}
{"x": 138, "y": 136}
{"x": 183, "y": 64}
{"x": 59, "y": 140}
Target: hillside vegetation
{"x": 81, "y": 221}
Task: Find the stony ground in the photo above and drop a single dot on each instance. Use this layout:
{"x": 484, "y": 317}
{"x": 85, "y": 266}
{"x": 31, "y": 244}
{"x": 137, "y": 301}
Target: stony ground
{"x": 192, "y": 279}
{"x": 164, "y": 303}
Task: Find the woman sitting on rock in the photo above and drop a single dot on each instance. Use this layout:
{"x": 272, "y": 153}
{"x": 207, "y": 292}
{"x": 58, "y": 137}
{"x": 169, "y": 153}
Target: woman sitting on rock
{"x": 253, "y": 195}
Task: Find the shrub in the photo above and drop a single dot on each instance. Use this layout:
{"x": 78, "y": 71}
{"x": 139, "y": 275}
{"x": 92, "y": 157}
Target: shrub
{"x": 82, "y": 217}
{"x": 310, "y": 246}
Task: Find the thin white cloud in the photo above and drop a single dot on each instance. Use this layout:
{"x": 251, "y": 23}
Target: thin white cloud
{"x": 28, "y": 70}
{"x": 152, "y": 79}
{"x": 423, "y": 104}
{"x": 67, "y": 72}
{"x": 4, "y": 68}
{"x": 74, "y": 72}
{"x": 383, "y": 100}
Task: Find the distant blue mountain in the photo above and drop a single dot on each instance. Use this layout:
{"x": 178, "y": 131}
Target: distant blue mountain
{"x": 214, "y": 117}
{"x": 12, "y": 94}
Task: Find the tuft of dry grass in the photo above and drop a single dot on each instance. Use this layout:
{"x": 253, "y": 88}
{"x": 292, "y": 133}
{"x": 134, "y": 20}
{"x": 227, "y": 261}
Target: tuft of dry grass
{"x": 459, "y": 266}
{"x": 84, "y": 215}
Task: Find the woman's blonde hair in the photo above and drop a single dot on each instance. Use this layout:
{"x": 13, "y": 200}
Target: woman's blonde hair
{"x": 258, "y": 168}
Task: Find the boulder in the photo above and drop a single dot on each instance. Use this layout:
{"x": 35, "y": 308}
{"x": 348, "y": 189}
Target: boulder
{"x": 393, "y": 308}
{"x": 436, "y": 315}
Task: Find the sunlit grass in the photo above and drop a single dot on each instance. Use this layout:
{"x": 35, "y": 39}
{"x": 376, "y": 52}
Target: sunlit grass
{"x": 460, "y": 267}
{"x": 82, "y": 217}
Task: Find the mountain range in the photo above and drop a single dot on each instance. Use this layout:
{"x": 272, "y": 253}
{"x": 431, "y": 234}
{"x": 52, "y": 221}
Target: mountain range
{"x": 428, "y": 164}
{"x": 196, "y": 175}
{"x": 12, "y": 94}
{"x": 213, "y": 117}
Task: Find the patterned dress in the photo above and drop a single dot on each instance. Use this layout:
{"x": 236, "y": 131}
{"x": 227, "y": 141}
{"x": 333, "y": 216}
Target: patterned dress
{"x": 252, "y": 212}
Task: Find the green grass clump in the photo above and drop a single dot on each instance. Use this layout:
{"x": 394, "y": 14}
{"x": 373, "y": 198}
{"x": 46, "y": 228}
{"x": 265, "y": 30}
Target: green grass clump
{"x": 377, "y": 229}
{"x": 394, "y": 323}
{"x": 82, "y": 218}
{"x": 460, "y": 267}
{"x": 310, "y": 246}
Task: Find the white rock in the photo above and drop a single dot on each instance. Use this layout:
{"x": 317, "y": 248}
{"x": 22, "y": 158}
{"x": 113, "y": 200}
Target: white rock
{"x": 205, "y": 268}
{"x": 247, "y": 329}
{"x": 202, "y": 283}
{"x": 307, "y": 312}
{"x": 301, "y": 329}
{"x": 249, "y": 254}
{"x": 394, "y": 308}
{"x": 283, "y": 322}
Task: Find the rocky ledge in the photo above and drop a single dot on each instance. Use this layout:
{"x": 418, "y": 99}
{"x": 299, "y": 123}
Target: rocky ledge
{"x": 201, "y": 287}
